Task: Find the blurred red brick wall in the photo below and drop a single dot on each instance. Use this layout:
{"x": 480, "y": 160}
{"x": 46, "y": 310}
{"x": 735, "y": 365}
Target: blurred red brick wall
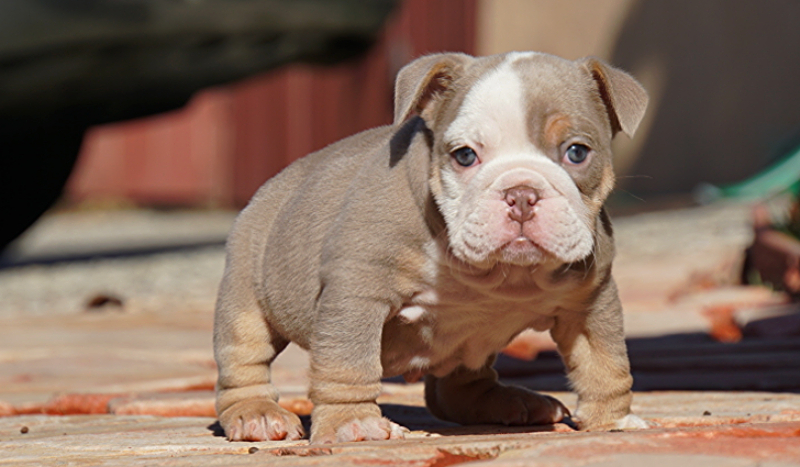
{"x": 227, "y": 141}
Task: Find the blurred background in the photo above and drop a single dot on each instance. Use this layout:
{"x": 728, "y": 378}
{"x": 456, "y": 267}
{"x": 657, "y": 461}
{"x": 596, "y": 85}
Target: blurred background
{"x": 720, "y": 74}
{"x": 143, "y": 126}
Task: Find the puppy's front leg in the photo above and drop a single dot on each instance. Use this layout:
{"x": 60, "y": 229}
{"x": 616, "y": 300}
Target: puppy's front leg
{"x": 592, "y": 345}
{"x": 346, "y": 371}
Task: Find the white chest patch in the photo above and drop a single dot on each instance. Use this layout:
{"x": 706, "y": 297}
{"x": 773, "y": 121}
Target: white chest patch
{"x": 412, "y": 313}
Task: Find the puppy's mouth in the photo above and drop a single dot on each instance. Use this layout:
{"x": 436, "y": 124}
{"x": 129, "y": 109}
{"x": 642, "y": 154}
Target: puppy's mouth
{"x": 520, "y": 243}
{"x": 522, "y": 251}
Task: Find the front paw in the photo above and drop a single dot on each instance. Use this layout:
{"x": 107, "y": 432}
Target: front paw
{"x": 260, "y": 419}
{"x": 630, "y": 421}
{"x": 608, "y": 413}
{"x": 341, "y": 423}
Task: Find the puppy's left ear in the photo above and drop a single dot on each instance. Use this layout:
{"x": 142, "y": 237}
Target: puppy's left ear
{"x": 624, "y": 98}
{"x": 420, "y": 83}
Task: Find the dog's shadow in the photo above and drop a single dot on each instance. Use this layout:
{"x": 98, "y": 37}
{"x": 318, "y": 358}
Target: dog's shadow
{"x": 417, "y": 418}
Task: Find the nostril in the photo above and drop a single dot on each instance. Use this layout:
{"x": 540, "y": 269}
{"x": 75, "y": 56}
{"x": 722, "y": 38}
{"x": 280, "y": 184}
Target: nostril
{"x": 521, "y": 195}
{"x": 521, "y": 200}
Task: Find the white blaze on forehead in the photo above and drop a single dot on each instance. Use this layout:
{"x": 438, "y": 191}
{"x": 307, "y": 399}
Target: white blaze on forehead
{"x": 493, "y": 112}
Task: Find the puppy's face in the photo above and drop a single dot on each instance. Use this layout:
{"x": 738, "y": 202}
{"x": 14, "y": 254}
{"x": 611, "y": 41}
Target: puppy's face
{"x": 522, "y": 161}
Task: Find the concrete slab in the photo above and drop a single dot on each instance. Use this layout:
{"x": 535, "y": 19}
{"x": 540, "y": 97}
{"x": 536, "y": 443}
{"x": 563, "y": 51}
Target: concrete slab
{"x": 118, "y": 353}
{"x": 105, "y": 353}
{"x": 156, "y": 441}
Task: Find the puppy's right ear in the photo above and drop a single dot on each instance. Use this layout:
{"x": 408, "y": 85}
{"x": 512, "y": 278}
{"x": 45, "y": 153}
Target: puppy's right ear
{"x": 420, "y": 82}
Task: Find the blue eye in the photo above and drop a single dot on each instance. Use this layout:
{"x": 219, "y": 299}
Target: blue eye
{"x": 465, "y": 156}
{"x": 577, "y": 153}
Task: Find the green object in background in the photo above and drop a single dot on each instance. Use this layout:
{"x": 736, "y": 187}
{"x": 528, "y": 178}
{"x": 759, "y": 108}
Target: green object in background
{"x": 781, "y": 177}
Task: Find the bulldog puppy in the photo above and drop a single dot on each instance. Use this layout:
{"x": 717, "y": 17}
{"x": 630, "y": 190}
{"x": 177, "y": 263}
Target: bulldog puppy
{"x": 422, "y": 248}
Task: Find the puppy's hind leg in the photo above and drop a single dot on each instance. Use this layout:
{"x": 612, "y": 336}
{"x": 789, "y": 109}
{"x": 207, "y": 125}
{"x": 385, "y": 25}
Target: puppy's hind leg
{"x": 245, "y": 346}
{"x": 476, "y": 397}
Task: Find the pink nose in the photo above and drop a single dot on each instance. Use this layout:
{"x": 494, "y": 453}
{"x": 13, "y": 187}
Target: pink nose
{"x": 521, "y": 200}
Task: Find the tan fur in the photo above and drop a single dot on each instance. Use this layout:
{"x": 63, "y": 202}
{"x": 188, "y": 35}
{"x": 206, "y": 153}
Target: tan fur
{"x": 350, "y": 253}
{"x": 556, "y": 129}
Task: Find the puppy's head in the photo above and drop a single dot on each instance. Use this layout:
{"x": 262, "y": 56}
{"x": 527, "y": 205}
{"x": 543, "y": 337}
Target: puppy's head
{"x": 521, "y": 149}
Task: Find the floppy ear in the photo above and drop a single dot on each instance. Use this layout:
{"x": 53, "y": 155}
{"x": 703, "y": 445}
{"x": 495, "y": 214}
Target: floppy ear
{"x": 624, "y": 98}
{"x": 420, "y": 82}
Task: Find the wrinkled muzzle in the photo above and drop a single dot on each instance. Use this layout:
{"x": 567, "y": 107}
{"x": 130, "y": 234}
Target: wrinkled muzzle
{"x": 520, "y": 212}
